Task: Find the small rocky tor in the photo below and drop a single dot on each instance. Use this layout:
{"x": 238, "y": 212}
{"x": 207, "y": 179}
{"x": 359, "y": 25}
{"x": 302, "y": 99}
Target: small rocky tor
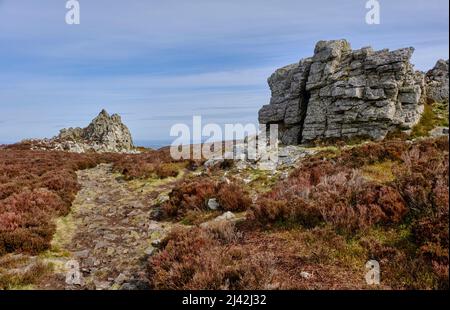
{"x": 340, "y": 93}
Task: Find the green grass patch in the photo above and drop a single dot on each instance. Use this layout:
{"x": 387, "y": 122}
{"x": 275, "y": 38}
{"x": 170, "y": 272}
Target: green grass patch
{"x": 65, "y": 230}
{"x": 434, "y": 115}
{"x": 24, "y": 278}
{"x": 379, "y": 172}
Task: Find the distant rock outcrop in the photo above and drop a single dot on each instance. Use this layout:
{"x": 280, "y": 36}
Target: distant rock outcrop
{"x": 437, "y": 82}
{"x": 104, "y": 134}
{"x": 344, "y": 93}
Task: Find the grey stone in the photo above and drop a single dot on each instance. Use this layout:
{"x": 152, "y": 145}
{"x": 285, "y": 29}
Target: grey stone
{"x": 437, "y": 82}
{"x": 374, "y": 94}
{"x": 225, "y": 217}
{"x": 82, "y": 254}
{"x": 340, "y": 93}
{"x": 150, "y": 251}
{"x": 213, "y": 204}
{"x": 90, "y": 261}
{"x": 121, "y": 278}
{"x": 305, "y": 275}
{"x": 284, "y": 175}
{"x": 100, "y": 244}
{"x": 162, "y": 198}
{"x": 411, "y": 96}
{"x": 104, "y": 134}
{"x": 439, "y": 131}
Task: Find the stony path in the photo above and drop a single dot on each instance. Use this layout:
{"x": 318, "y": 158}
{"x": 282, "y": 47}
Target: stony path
{"x": 109, "y": 232}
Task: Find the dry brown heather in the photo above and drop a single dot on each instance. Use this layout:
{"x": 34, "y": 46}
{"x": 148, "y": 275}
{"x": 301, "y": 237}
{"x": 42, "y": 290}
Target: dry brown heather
{"x": 193, "y": 195}
{"x": 37, "y": 186}
{"x": 34, "y": 188}
{"x": 149, "y": 164}
{"x": 386, "y": 201}
{"x": 315, "y": 229}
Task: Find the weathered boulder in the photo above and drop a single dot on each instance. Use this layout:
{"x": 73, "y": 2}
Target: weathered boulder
{"x": 344, "y": 93}
{"x": 104, "y": 134}
{"x": 213, "y": 204}
{"x": 437, "y": 82}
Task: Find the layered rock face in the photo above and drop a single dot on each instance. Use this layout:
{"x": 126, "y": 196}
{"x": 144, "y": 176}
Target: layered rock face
{"x": 104, "y": 134}
{"x": 437, "y": 82}
{"x": 344, "y": 93}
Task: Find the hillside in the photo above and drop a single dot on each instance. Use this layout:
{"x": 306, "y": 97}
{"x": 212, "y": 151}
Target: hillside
{"x": 361, "y": 175}
{"x": 336, "y": 209}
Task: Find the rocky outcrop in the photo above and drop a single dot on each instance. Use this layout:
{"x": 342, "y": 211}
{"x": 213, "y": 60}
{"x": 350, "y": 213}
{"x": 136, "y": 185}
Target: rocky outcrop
{"x": 345, "y": 93}
{"x": 104, "y": 134}
{"x": 437, "y": 82}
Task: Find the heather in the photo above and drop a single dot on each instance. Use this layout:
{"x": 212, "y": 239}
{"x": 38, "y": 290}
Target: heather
{"x": 36, "y": 187}
{"x": 149, "y": 164}
{"x": 194, "y": 194}
{"x": 337, "y": 209}
{"x": 318, "y": 224}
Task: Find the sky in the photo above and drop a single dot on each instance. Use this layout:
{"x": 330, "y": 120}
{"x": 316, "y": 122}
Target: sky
{"x": 158, "y": 63}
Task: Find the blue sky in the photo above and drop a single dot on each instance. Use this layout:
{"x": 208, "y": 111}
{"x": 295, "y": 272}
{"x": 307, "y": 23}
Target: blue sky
{"x": 159, "y": 62}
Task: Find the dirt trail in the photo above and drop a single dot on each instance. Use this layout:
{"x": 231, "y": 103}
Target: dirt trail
{"x": 108, "y": 232}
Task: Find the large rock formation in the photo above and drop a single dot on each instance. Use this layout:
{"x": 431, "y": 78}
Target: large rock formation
{"x": 437, "y": 82}
{"x": 343, "y": 93}
{"x": 104, "y": 134}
